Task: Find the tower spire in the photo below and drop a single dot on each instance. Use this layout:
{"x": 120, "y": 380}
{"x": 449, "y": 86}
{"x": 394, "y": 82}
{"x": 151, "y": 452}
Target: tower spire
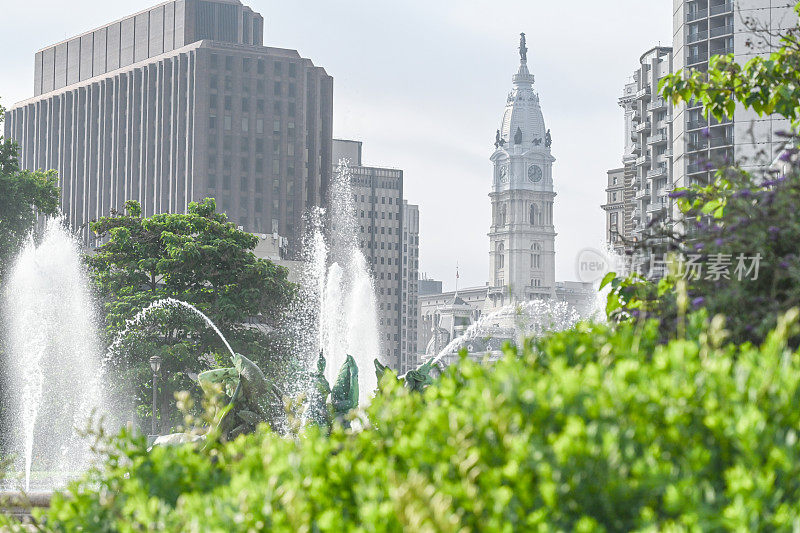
{"x": 523, "y": 76}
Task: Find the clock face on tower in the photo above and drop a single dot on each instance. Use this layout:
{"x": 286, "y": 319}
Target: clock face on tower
{"x": 534, "y": 173}
{"x": 503, "y": 174}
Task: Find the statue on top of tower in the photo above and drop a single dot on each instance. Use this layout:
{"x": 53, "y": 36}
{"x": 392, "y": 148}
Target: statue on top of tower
{"x": 498, "y": 140}
{"x": 518, "y": 136}
{"x": 523, "y": 50}
{"x": 548, "y": 140}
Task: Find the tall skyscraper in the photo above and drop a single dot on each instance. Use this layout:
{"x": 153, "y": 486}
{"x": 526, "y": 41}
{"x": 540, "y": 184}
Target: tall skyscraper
{"x": 707, "y": 27}
{"x": 176, "y": 103}
{"x": 409, "y": 318}
{"x": 522, "y": 236}
{"x": 388, "y": 235}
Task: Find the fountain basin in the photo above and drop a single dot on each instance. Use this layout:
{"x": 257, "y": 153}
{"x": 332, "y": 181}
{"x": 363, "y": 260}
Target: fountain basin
{"x": 20, "y": 504}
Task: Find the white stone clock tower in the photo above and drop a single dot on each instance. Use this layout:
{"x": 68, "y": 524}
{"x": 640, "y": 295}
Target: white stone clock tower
{"x": 522, "y": 236}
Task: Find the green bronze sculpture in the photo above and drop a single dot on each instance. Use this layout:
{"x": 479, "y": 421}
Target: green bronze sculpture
{"x": 344, "y": 395}
{"x": 318, "y": 412}
{"x": 380, "y": 370}
{"x": 419, "y": 379}
{"x": 252, "y": 399}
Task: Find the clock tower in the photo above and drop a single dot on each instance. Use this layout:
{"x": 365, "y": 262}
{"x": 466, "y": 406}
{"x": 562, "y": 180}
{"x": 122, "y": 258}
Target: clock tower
{"x": 522, "y": 235}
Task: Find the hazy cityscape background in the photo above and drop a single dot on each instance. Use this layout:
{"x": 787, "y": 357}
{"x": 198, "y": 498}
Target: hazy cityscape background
{"x": 421, "y": 84}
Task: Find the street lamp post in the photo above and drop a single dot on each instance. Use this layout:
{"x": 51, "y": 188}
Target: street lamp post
{"x": 155, "y": 366}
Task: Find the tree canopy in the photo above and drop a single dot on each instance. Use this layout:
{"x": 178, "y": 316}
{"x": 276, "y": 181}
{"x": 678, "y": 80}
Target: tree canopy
{"x": 197, "y": 257}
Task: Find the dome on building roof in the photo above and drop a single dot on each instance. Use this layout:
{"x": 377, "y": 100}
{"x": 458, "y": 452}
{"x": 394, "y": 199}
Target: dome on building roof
{"x": 523, "y": 112}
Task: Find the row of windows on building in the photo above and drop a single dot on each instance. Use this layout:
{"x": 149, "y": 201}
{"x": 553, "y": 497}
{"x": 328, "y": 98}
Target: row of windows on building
{"x": 248, "y": 185}
{"x": 244, "y": 125}
{"x": 249, "y": 63}
{"x": 246, "y": 144}
{"x": 384, "y": 230}
{"x": 229, "y": 86}
{"x": 383, "y": 246}
{"x": 245, "y": 166}
{"x": 384, "y": 260}
{"x": 374, "y": 199}
{"x": 390, "y": 213}
{"x": 245, "y": 107}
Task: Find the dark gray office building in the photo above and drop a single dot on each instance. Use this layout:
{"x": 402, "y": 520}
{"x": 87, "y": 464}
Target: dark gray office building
{"x": 176, "y": 103}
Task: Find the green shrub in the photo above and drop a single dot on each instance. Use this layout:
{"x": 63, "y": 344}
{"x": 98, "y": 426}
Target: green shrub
{"x": 590, "y": 429}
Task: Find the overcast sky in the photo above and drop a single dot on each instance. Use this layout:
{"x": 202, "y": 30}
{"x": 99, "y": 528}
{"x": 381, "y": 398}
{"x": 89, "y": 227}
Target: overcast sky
{"x": 423, "y": 84}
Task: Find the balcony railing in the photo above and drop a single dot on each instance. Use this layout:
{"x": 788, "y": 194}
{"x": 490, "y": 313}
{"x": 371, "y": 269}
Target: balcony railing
{"x": 658, "y": 103}
{"x": 696, "y": 58}
{"x": 724, "y": 8}
{"x": 721, "y": 30}
{"x": 721, "y": 50}
{"x": 658, "y": 171}
{"x": 696, "y": 15}
{"x": 720, "y": 141}
{"x": 699, "y": 36}
{"x": 643, "y": 92}
{"x": 657, "y": 138}
{"x": 642, "y": 126}
{"x": 696, "y": 124}
{"x": 694, "y": 168}
{"x": 642, "y": 160}
{"x": 694, "y": 147}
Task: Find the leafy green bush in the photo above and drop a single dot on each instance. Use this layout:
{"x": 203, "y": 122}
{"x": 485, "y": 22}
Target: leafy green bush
{"x": 590, "y": 429}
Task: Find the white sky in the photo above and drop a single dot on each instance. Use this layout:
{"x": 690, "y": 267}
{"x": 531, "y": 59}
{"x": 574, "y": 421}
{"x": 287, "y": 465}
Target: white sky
{"x": 423, "y": 85}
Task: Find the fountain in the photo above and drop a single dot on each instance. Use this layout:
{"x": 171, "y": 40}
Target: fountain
{"x": 52, "y": 357}
{"x": 338, "y": 287}
{"x": 511, "y": 323}
{"x": 55, "y": 361}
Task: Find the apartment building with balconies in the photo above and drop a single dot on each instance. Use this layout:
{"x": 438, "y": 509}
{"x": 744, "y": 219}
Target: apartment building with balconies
{"x": 744, "y": 28}
{"x": 646, "y": 177}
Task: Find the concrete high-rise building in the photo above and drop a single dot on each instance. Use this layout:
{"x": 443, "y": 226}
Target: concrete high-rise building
{"x": 409, "y": 319}
{"x": 702, "y": 28}
{"x": 522, "y": 236}
{"x": 646, "y": 177}
{"x": 176, "y": 103}
{"x": 390, "y": 245}
{"x": 615, "y": 210}
{"x": 429, "y": 286}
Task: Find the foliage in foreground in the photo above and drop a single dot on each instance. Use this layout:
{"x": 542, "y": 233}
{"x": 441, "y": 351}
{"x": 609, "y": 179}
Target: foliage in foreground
{"x": 591, "y": 429}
